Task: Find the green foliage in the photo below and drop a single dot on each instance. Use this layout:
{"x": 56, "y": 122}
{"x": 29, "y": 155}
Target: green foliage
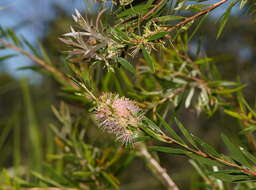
{"x": 143, "y": 54}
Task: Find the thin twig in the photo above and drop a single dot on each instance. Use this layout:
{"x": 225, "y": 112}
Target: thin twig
{"x": 98, "y": 18}
{"x": 157, "y": 168}
{"x": 47, "y": 67}
{"x": 39, "y": 61}
{"x": 160, "y": 2}
{"x": 194, "y": 17}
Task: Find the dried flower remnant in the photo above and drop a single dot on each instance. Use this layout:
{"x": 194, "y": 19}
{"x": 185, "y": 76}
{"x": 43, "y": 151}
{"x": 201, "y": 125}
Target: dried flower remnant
{"x": 89, "y": 43}
{"x": 126, "y": 2}
{"x": 121, "y": 2}
{"x": 119, "y": 116}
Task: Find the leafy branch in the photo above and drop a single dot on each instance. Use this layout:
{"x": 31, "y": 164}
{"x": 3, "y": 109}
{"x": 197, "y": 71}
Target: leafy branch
{"x": 163, "y": 78}
{"x": 152, "y": 11}
{"x": 42, "y": 63}
{"x": 196, "y": 16}
{"x": 208, "y": 154}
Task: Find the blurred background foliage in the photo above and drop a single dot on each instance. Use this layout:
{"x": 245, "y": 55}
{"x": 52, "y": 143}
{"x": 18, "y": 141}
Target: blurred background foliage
{"x": 25, "y": 103}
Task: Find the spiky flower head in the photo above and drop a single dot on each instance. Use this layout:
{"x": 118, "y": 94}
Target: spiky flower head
{"x": 119, "y": 116}
{"x": 89, "y": 43}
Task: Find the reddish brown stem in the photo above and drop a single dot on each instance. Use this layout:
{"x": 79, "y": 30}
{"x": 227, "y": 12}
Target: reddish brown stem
{"x": 194, "y": 17}
{"x": 40, "y": 62}
{"x": 157, "y": 5}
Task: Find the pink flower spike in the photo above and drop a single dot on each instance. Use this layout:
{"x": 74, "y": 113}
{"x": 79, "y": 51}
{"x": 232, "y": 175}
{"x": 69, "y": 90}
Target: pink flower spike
{"x": 118, "y": 116}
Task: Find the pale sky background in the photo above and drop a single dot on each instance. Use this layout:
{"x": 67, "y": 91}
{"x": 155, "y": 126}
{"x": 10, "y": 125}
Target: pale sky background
{"x": 30, "y": 18}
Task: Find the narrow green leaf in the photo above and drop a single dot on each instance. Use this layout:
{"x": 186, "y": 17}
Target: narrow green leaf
{"x": 45, "y": 55}
{"x": 141, "y": 139}
{"x": 168, "y": 18}
{"x": 47, "y": 180}
{"x": 106, "y": 81}
{"x": 197, "y": 27}
{"x": 128, "y": 66}
{"x": 233, "y": 114}
{"x": 3, "y": 33}
{"x": 179, "y": 81}
{"x": 139, "y": 9}
{"x": 242, "y": 4}
{"x": 243, "y": 102}
{"x": 156, "y": 36}
{"x": 59, "y": 178}
{"x": 199, "y": 170}
{"x": 203, "y": 160}
{"x": 230, "y": 175}
{"x": 206, "y": 147}
{"x": 185, "y": 133}
{"x": 194, "y": 7}
{"x": 35, "y": 68}
{"x": 83, "y": 173}
{"x": 168, "y": 150}
{"x": 13, "y": 36}
{"x": 125, "y": 164}
{"x": 250, "y": 128}
{"x": 114, "y": 159}
{"x": 189, "y": 97}
{"x": 149, "y": 2}
{"x": 127, "y": 80}
{"x": 224, "y": 18}
{"x": 118, "y": 86}
{"x": 248, "y": 155}
{"x": 111, "y": 179}
{"x": 232, "y": 90}
{"x": 6, "y": 130}
{"x": 6, "y": 57}
{"x": 236, "y": 154}
{"x": 33, "y": 128}
{"x": 30, "y": 46}
{"x": 17, "y": 140}
{"x": 151, "y": 133}
{"x": 223, "y": 83}
{"x": 148, "y": 59}
{"x": 22, "y": 182}
{"x": 170, "y": 130}
{"x": 203, "y": 61}
{"x": 152, "y": 125}
{"x": 154, "y": 131}
{"x": 120, "y": 34}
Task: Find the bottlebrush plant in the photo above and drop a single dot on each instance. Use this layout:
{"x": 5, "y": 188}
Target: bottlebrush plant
{"x": 127, "y": 75}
